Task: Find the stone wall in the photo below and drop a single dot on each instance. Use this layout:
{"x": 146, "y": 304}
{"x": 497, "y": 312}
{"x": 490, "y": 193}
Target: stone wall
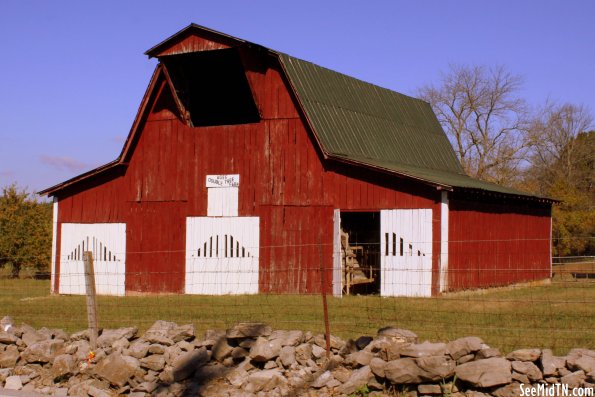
{"x": 255, "y": 360}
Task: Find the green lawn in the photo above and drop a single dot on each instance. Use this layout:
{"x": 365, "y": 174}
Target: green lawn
{"x": 559, "y": 316}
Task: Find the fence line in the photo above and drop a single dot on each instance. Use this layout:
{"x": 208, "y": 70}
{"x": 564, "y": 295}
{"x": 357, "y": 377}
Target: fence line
{"x": 519, "y": 306}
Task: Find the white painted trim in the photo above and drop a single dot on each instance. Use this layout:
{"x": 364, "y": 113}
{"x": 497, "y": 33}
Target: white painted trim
{"x": 337, "y": 265}
{"x": 222, "y": 201}
{"x": 444, "y": 241}
{"x": 54, "y": 244}
{"x": 214, "y": 265}
{"x": 232, "y": 180}
{"x": 107, "y": 241}
{"x": 406, "y": 252}
{"x": 551, "y": 242}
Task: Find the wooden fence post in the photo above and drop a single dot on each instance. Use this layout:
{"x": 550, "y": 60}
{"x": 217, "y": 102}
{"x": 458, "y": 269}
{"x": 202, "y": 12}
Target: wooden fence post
{"x": 91, "y": 301}
{"x": 327, "y": 332}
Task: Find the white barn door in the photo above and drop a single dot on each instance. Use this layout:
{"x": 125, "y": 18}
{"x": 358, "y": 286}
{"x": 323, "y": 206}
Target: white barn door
{"x": 222, "y": 255}
{"x": 107, "y": 241}
{"x": 406, "y": 252}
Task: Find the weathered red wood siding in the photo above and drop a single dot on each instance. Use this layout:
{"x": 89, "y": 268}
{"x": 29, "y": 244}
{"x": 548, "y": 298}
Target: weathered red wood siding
{"x": 283, "y": 180}
{"x": 495, "y": 242}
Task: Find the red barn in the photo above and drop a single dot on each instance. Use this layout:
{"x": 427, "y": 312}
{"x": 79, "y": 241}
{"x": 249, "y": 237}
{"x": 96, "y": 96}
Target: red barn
{"x": 247, "y": 170}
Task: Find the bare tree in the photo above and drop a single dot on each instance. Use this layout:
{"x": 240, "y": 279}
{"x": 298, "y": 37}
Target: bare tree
{"x": 556, "y": 153}
{"x": 484, "y": 119}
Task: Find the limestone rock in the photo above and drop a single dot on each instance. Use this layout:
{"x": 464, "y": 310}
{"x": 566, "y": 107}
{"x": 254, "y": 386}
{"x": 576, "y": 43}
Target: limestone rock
{"x": 463, "y": 346}
{"x": 466, "y": 358}
{"x": 488, "y": 352}
{"x": 211, "y": 337}
{"x": 117, "y": 369}
{"x": 147, "y": 387}
{"x": 574, "y": 379}
{"x": 336, "y": 343}
{"x": 303, "y": 353}
{"x": 359, "y": 359}
{"x": 186, "y": 364}
{"x": 9, "y": 357}
{"x": 32, "y": 337}
{"x": 172, "y": 353}
{"x": 288, "y": 338}
{"x": 398, "y": 335}
{"x": 386, "y": 348}
{"x": 510, "y": 390}
{"x": 263, "y": 380}
{"x": 13, "y": 383}
{"x": 5, "y": 373}
{"x": 429, "y": 389}
{"x": 81, "y": 335}
{"x": 239, "y": 353}
{"x": 63, "y": 364}
{"x": 43, "y": 351}
{"x": 424, "y": 350}
{"x": 377, "y": 366}
{"x": 248, "y": 330}
{"x": 342, "y": 374}
{"x": 287, "y": 356}
{"x": 318, "y": 352}
{"x": 436, "y": 367}
{"x": 265, "y": 350}
{"x": 159, "y": 333}
{"x": 95, "y": 391}
{"x": 109, "y": 336}
{"x": 221, "y": 350}
{"x": 403, "y": 371}
{"x": 528, "y": 368}
{"x": 581, "y": 359}
{"x": 485, "y": 373}
{"x": 322, "y": 380}
{"x": 7, "y": 338}
{"x": 121, "y": 344}
{"x": 550, "y": 363}
{"x": 155, "y": 362}
{"x": 182, "y": 333}
{"x": 358, "y": 378}
{"x": 138, "y": 349}
{"x": 524, "y": 355}
{"x": 521, "y": 378}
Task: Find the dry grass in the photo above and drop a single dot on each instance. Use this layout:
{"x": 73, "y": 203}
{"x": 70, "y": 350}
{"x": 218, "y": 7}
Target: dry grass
{"x": 559, "y": 316}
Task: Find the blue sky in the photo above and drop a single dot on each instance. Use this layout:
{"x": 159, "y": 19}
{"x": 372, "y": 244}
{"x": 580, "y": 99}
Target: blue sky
{"x": 73, "y": 72}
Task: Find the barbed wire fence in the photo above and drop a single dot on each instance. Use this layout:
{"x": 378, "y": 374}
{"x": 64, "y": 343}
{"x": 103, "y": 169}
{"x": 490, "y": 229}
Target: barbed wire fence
{"x": 219, "y": 288}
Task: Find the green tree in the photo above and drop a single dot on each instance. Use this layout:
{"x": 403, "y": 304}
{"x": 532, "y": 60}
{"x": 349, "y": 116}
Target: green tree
{"x": 563, "y": 167}
{"x": 25, "y": 231}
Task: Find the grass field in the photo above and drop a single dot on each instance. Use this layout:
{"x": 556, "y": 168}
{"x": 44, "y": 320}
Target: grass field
{"x": 559, "y": 316}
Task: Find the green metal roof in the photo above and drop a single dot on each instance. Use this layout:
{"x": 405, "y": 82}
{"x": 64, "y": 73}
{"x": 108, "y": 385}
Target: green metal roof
{"x": 361, "y": 122}
{"x": 355, "y": 118}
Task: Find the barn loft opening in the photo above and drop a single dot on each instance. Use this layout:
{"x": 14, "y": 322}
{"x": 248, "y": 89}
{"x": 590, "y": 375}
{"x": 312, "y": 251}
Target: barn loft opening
{"x": 213, "y": 88}
{"x": 360, "y": 252}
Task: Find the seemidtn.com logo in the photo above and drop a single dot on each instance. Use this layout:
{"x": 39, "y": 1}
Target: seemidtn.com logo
{"x": 555, "y": 390}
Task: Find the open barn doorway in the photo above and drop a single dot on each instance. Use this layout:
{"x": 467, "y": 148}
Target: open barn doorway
{"x": 360, "y": 252}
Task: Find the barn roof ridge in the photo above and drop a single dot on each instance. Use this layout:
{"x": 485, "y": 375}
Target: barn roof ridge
{"x": 354, "y": 121}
